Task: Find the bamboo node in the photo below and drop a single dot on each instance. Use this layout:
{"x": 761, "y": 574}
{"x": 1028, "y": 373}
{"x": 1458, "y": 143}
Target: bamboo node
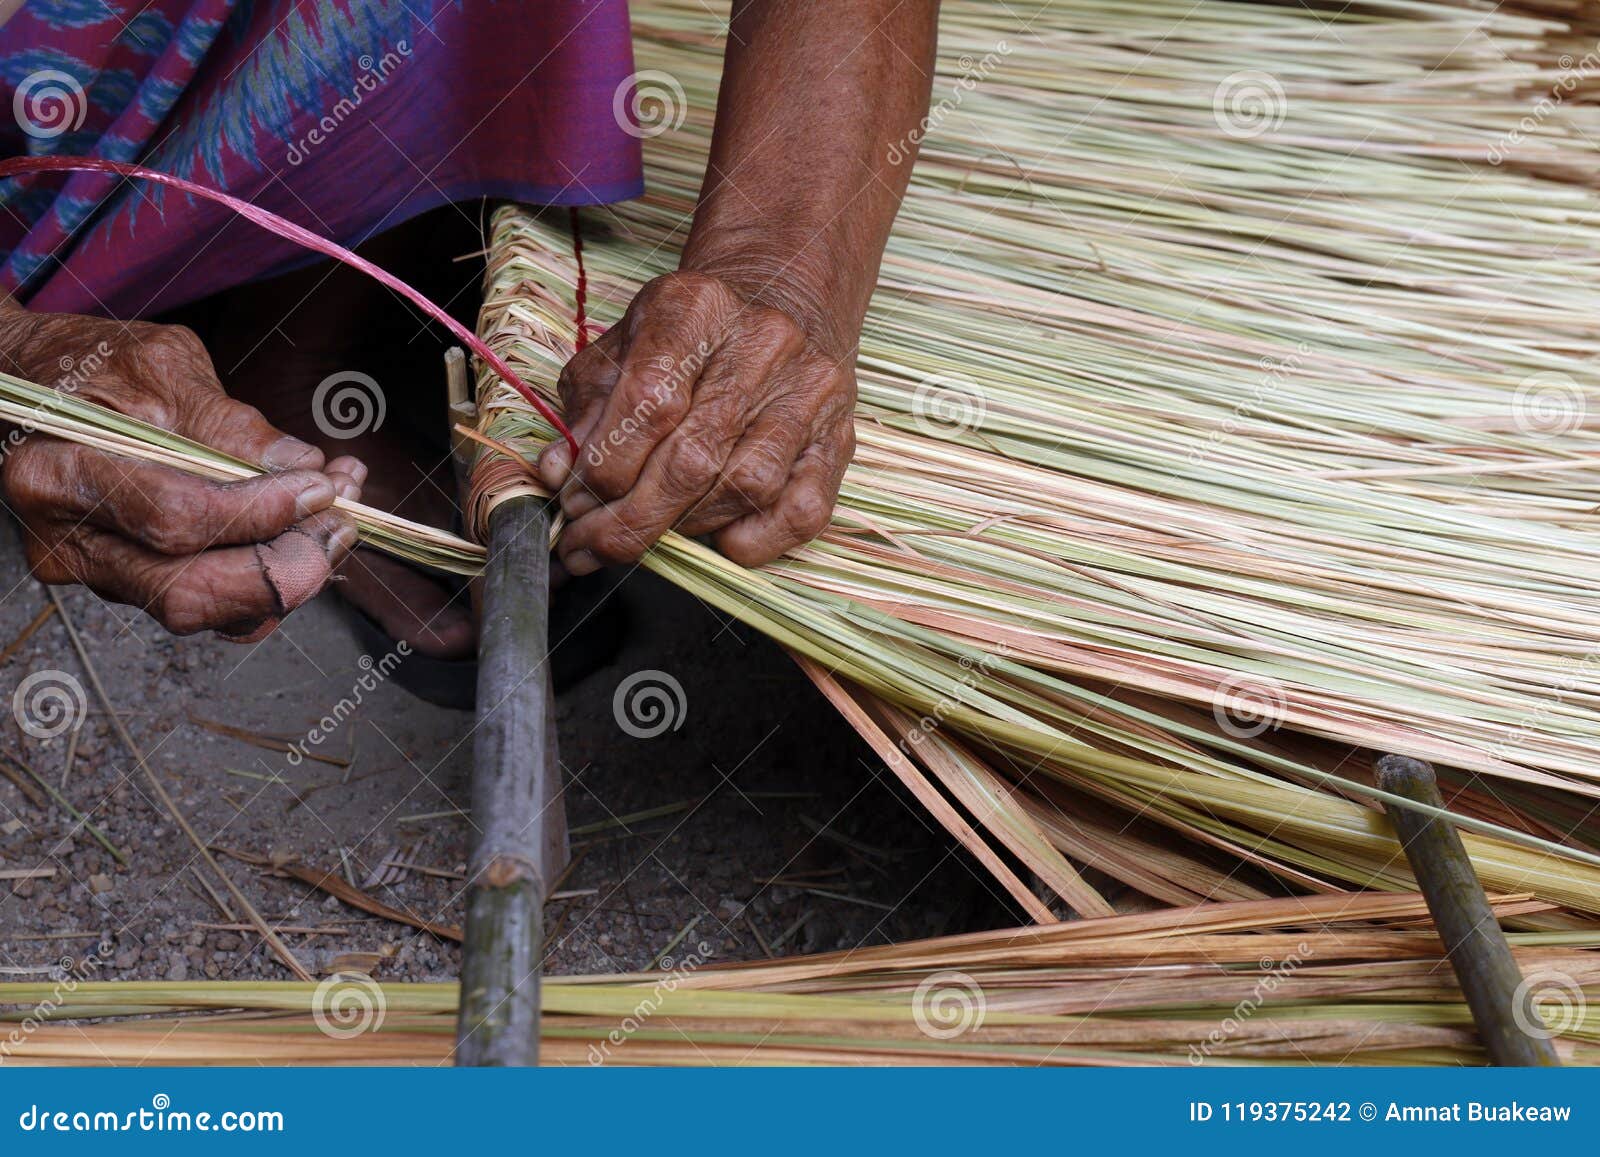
{"x": 506, "y": 870}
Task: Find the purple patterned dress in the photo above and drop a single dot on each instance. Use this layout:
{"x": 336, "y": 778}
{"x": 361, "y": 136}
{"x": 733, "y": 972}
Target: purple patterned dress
{"x": 346, "y": 116}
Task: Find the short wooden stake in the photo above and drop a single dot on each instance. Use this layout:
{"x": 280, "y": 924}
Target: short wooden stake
{"x": 1501, "y": 1003}
{"x": 516, "y": 807}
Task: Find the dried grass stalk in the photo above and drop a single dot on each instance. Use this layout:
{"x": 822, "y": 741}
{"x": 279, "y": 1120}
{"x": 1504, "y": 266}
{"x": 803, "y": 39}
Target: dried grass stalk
{"x": 1346, "y": 979}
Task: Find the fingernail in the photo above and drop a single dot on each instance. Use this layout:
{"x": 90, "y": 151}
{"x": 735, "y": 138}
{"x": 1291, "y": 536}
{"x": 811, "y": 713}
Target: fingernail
{"x": 581, "y": 563}
{"x": 555, "y": 463}
{"x": 358, "y": 471}
{"x": 287, "y": 452}
{"x": 349, "y": 491}
{"x": 342, "y": 540}
{"x": 315, "y": 495}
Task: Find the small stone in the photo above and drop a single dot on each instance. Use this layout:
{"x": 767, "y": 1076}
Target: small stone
{"x": 127, "y": 958}
{"x": 331, "y": 904}
{"x": 178, "y": 968}
{"x": 228, "y": 942}
{"x": 99, "y": 884}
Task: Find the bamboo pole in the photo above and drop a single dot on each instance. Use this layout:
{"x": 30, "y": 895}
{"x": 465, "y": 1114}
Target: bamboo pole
{"x": 1500, "y": 1000}
{"x": 516, "y": 805}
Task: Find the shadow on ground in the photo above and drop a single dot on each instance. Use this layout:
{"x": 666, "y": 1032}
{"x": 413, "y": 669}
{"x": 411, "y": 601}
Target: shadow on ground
{"x": 760, "y": 823}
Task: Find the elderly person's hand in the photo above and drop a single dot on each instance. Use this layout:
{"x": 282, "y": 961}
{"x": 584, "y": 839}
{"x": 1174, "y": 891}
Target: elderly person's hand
{"x": 198, "y": 555}
{"x": 723, "y": 402}
{"x": 706, "y": 411}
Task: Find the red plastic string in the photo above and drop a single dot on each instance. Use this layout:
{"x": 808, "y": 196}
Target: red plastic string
{"x": 288, "y": 230}
{"x": 583, "y": 281}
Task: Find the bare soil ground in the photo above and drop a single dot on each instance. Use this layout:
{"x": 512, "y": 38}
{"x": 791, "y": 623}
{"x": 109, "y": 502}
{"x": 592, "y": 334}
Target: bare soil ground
{"x": 767, "y": 825}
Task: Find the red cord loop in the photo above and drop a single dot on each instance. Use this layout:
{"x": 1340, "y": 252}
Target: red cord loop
{"x": 19, "y": 166}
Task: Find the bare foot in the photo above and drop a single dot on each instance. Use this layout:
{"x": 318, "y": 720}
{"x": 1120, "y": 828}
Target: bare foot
{"x": 407, "y": 603}
{"x": 275, "y": 342}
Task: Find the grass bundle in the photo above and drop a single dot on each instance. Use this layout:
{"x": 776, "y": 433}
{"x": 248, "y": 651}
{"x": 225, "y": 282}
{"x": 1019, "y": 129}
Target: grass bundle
{"x": 35, "y": 409}
{"x": 1298, "y": 981}
{"x": 1227, "y": 416}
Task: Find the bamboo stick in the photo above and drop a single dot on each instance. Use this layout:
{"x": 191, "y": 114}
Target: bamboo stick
{"x": 518, "y": 823}
{"x": 1494, "y": 987}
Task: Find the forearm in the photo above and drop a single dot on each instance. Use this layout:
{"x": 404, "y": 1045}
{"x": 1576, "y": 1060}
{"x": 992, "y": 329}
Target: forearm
{"x": 815, "y": 136}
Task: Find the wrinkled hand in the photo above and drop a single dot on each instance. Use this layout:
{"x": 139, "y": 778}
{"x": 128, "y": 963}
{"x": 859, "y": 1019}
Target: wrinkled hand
{"x": 197, "y": 555}
{"x": 705, "y": 412}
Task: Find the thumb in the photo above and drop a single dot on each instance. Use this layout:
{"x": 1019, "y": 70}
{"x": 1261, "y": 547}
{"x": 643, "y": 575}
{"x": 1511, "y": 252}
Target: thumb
{"x": 235, "y": 428}
{"x": 170, "y": 363}
{"x": 586, "y": 382}
{"x": 555, "y": 464}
